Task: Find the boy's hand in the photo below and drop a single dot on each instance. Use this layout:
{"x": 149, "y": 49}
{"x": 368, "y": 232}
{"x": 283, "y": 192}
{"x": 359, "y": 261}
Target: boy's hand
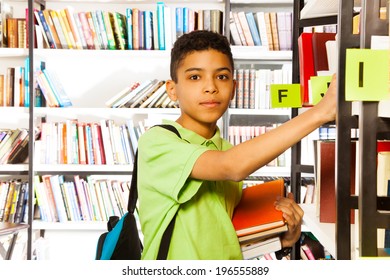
{"x": 293, "y": 215}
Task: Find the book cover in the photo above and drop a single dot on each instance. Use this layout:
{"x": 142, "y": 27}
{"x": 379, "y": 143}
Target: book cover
{"x": 161, "y": 22}
{"x": 57, "y": 88}
{"x": 306, "y": 63}
{"x": 270, "y": 38}
{"x": 245, "y": 28}
{"x": 239, "y": 28}
{"x": 256, "y": 210}
{"x": 253, "y": 28}
{"x": 320, "y": 59}
{"x": 55, "y": 31}
{"x": 326, "y": 180}
{"x": 129, "y": 24}
{"x": 260, "y": 20}
{"x": 274, "y": 30}
{"x": 235, "y": 36}
{"x": 69, "y": 12}
{"x": 259, "y": 248}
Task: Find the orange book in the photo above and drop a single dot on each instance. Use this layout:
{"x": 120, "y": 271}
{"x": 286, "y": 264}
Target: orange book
{"x": 256, "y": 211}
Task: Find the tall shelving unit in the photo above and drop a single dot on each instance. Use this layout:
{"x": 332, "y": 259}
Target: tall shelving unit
{"x": 297, "y": 168}
{"x": 372, "y": 123}
{"x": 371, "y": 119}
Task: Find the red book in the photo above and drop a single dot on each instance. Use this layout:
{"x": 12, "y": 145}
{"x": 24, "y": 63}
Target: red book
{"x": 306, "y": 63}
{"x": 256, "y": 210}
{"x": 320, "y": 58}
{"x": 326, "y": 180}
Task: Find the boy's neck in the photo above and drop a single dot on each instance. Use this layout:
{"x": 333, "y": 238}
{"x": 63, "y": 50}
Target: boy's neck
{"x": 206, "y": 130}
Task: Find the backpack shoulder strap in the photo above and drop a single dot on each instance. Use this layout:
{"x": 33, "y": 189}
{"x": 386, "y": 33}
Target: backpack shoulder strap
{"x": 133, "y": 196}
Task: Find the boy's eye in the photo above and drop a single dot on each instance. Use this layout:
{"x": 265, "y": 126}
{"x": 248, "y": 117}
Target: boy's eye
{"x": 223, "y": 77}
{"x": 194, "y": 77}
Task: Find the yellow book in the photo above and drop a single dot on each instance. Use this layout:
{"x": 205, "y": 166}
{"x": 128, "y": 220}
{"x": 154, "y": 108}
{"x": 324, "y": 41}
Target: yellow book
{"x": 66, "y": 34}
{"x": 68, "y": 29}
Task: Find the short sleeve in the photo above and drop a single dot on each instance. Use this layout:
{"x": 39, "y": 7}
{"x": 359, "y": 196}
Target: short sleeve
{"x": 165, "y": 162}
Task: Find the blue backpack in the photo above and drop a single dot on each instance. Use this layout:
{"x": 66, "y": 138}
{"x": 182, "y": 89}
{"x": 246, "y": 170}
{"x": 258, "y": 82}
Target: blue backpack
{"x": 122, "y": 241}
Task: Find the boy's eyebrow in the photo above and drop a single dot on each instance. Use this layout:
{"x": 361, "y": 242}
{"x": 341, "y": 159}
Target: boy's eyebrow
{"x": 200, "y": 69}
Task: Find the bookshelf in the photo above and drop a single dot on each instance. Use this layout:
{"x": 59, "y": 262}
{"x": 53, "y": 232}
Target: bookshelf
{"x": 259, "y": 57}
{"x": 342, "y": 239}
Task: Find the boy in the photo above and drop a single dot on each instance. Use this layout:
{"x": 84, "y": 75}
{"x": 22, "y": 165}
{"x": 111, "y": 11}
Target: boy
{"x": 200, "y": 174}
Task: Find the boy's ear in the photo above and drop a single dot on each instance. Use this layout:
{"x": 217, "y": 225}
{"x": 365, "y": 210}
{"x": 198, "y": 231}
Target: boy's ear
{"x": 170, "y": 87}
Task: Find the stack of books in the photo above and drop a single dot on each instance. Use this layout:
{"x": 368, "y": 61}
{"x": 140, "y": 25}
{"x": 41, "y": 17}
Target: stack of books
{"x": 256, "y": 221}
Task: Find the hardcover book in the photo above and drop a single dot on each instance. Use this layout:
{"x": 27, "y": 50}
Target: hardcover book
{"x": 256, "y": 210}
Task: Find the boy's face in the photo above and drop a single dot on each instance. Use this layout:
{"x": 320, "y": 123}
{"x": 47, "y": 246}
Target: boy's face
{"x": 204, "y": 88}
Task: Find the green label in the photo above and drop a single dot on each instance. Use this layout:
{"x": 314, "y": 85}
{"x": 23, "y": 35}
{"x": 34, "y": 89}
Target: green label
{"x": 286, "y": 96}
{"x": 319, "y": 86}
{"x": 367, "y": 75}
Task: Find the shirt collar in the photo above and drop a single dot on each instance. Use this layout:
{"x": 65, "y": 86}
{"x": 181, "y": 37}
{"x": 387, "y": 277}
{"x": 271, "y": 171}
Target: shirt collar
{"x": 194, "y": 138}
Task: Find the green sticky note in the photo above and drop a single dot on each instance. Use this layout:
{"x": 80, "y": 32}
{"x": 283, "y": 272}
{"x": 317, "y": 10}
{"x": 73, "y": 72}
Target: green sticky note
{"x": 319, "y": 86}
{"x": 366, "y": 75}
{"x": 286, "y": 96}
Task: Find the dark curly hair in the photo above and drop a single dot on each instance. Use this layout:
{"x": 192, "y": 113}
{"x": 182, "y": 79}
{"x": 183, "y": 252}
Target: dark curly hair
{"x": 198, "y": 40}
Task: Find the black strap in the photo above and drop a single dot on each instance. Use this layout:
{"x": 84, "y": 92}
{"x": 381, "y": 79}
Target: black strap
{"x": 133, "y": 196}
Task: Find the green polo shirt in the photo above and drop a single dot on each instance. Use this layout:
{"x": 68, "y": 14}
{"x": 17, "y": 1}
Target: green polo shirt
{"x": 203, "y": 228}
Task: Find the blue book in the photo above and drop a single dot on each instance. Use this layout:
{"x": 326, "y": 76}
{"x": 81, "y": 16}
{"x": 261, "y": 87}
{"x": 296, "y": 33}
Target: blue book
{"x": 179, "y": 21}
{"x": 129, "y": 19}
{"x": 45, "y": 26}
{"x": 186, "y": 20}
{"x": 58, "y": 90}
{"x": 253, "y": 28}
{"x": 148, "y": 30}
{"x": 26, "y": 82}
{"x": 161, "y": 25}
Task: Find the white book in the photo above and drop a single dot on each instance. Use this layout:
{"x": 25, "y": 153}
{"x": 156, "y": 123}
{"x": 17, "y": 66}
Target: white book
{"x": 260, "y": 19}
{"x": 107, "y": 143}
{"x": 121, "y": 94}
{"x": 259, "y": 248}
{"x": 126, "y": 101}
{"x": 154, "y": 96}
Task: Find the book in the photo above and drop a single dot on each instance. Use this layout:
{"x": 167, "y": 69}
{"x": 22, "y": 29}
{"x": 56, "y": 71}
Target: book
{"x": 69, "y": 12}
{"x": 320, "y": 59}
{"x": 260, "y": 20}
{"x": 259, "y": 248}
{"x": 161, "y": 25}
{"x": 245, "y": 28}
{"x": 57, "y": 88}
{"x": 55, "y": 30}
{"x": 256, "y": 211}
{"x": 306, "y": 63}
{"x": 253, "y": 28}
{"x": 274, "y": 30}
{"x": 325, "y": 179}
{"x": 234, "y": 34}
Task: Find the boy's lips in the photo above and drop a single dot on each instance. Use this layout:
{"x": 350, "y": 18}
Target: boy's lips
{"x": 210, "y": 103}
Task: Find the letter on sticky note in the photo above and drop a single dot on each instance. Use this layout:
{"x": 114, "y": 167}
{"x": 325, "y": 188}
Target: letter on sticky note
{"x": 319, "y": 86}
{"x": 367, "y": 75}
{"x": 286, "y": 96}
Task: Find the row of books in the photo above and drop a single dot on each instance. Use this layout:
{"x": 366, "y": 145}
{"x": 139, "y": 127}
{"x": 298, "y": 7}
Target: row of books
{"x": 253, "y": 86}
{"x": 271, "y": 30}
{"x": 15, "y": 32}
{"x": 60, "y": 199}
{"x": 68, "y": 29}
{"x": 13, "y": 87}
{"x": 187, "y": 20}
{"x": 13, "y": 145}
{"x": 96, "y": 143}
{"x": 150, "y": 93}
{"x": 240, "y": 134}
{"x": 13, "y": 201}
